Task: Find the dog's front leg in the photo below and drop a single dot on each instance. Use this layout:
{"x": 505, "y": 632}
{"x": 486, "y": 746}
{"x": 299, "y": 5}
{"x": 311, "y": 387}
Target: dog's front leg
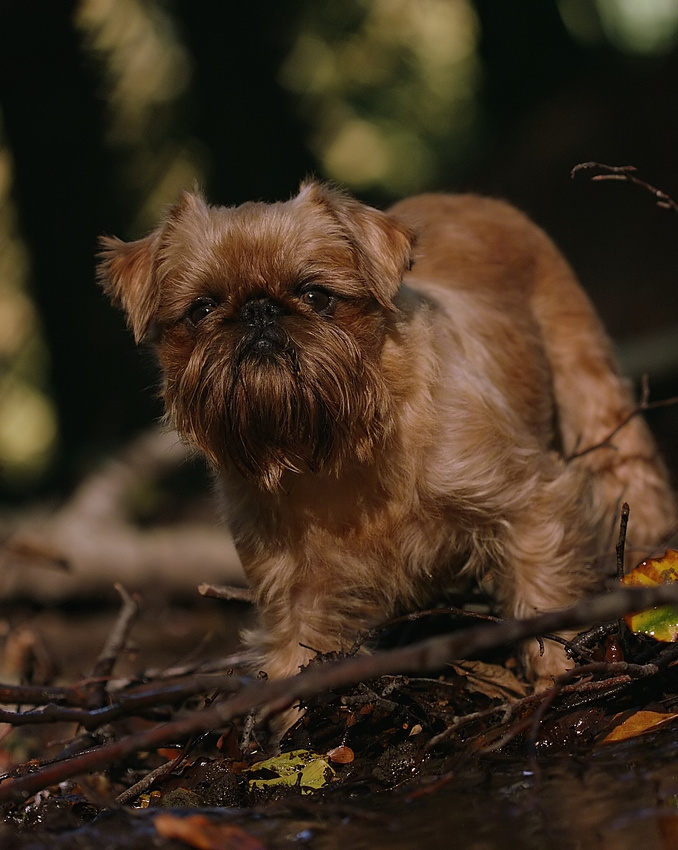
{"x": 306, "y": 613}
{"x": 298, "y": 623}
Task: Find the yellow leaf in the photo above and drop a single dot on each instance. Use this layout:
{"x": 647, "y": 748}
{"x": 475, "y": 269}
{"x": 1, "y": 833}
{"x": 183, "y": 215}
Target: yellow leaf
{"x": 299, "y": 767}
{"x": 655, "y": 571}
{"x": 660, "y": 623}
{"x": 637, "y": 723}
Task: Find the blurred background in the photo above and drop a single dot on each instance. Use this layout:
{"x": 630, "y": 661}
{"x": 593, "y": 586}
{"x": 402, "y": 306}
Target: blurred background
{"x": 109, "y": 108}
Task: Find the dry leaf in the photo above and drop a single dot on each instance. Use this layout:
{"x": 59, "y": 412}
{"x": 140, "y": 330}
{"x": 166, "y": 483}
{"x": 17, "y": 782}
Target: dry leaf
{"x": 492, "y": 680}
{"x": 660, "y": 623}
{"x": 637, "y": 723}
{"x": 202, "y": 833}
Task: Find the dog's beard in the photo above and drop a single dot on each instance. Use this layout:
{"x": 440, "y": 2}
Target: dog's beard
{"x": 309, "y": 404}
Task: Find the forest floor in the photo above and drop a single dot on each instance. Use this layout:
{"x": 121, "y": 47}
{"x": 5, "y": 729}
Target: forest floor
{"x": 465, "y": 756}
{"x": 128, "y": 718}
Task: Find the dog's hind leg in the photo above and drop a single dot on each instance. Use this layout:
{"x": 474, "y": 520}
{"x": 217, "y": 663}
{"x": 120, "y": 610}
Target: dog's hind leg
{"x": 592, "y": 400}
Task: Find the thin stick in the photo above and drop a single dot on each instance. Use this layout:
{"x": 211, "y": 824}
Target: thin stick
{"x": 145, "y": 782}
{"x": 626, "y": 173}
{"x": 114, "y": 646}
{"x": 117, "y": 638}
{"x": 449, "y": 611}
{"x": 621, "y": 542}
{"x": 227, "y": 592}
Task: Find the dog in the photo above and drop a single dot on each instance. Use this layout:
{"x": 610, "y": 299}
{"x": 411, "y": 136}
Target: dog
{"x": 391, "y": 401}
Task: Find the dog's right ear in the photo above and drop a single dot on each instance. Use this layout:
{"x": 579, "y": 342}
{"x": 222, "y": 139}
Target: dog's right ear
{"x": 128, "y": 271}
{"x": 125, "y": 270}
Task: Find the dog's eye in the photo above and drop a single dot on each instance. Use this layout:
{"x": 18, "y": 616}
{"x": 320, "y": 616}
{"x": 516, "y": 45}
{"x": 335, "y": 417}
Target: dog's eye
{"x": 199, "y": 309}
{"x": 318, "y": 300}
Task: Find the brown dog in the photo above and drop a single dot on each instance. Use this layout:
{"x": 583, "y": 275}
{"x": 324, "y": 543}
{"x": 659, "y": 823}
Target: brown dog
{"x": 388, "y": 401}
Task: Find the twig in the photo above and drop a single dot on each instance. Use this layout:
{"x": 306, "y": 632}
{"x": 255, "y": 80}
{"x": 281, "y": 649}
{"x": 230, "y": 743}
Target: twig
{"x": 667, "y": 656}
{"x": 612, "y": 670}
{"x": 128, "y": 704}
{"x": 621, "y": 542}
{"x": 117, "y": 639}
{"x": 368, "y": 696}
{"x": 619, "y": 674}
{"x": 238, "y": 660}
{"x": 227, "y": 592}
{"x": 277, "y": 695}
{"x": 626, "y": 173}
{"x": 41, "y": 695}
{"x": 593, "y": 635}
{"x": 145, "y": 782}
{"x": 573, "y": 649}
{"x": 114, "y": 646}
{"x": 413, "y": 616}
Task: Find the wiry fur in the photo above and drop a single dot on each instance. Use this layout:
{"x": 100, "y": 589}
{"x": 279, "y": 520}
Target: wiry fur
{"x": 416, "y": 431}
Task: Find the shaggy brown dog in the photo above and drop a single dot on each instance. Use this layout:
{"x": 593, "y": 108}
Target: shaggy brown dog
{"x": 388, "y": 401}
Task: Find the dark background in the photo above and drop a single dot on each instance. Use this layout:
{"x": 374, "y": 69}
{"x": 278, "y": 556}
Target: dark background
{"x": 546, "y": 100}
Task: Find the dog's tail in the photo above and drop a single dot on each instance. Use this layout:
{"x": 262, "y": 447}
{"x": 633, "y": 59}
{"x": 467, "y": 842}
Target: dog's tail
{"x": 599, "y": 429}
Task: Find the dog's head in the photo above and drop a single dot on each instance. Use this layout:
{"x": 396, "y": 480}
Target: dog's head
{"x": 269, "y": 322}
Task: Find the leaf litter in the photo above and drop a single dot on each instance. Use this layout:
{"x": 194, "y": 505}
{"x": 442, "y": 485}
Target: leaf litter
{"x": 392, "y": 732}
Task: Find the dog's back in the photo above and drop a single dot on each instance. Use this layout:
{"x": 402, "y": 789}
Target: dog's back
{"x": 591, "y": 397}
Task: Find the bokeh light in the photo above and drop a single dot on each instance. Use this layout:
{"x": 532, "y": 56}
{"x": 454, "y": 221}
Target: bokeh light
{"x": 641, "y": 27}
{"x": 388, "y": 88}
{"x": 28, "y": 424}
{"x": 145, "y": 73}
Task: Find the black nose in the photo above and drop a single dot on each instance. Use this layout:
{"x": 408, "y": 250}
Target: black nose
{"x": 260, "y": 312}
{"x": 263, "y": 333}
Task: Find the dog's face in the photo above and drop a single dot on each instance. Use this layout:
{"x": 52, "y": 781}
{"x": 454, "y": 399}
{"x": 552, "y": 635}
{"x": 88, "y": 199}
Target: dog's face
{"x": 269, "y": 322}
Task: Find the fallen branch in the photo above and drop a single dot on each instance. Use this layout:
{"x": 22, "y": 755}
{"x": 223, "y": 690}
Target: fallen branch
{"x": 90, "y": 542}
{"x": 133, "y": 702}
{"x": 271, "y": 697}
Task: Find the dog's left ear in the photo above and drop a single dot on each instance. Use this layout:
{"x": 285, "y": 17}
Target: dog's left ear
{"x": 382, "y": 245}
{"x": 125, "y": 271}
